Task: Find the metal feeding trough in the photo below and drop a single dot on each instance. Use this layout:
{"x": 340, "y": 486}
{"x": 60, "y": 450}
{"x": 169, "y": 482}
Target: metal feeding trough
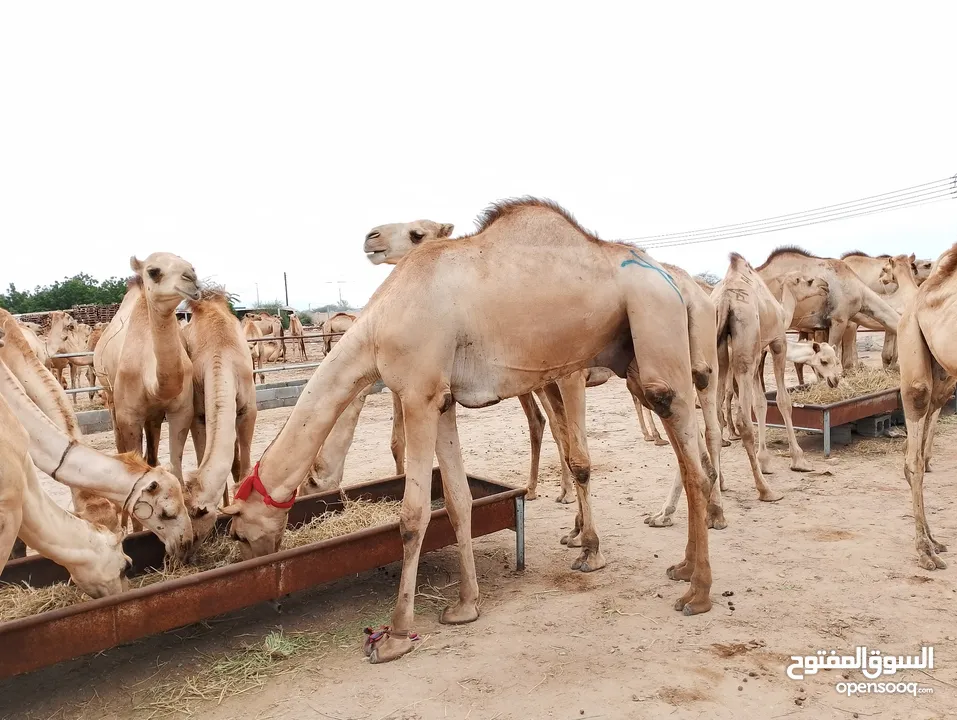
{"x": 50, "y": 637}
{"x": 823, "y": 418}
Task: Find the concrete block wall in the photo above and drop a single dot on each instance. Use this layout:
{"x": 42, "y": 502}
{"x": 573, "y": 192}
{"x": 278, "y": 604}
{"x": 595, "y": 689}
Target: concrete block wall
{"x": 268, "y": 397}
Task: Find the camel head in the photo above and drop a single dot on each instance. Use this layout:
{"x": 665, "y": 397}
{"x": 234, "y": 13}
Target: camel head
{"x": 63, "y": 336}
{"x": 103, "y": 566}
{"x": 923, "y": 268}
{"x": 390, "y": 243}
{"x": 157, "y": 502}
{"x": 202, "y": 511}
{"x": 804, "y": 287}
{"x": 896, "y": 267}
{"x": 825, "y": 364}
{"x": 167, "y": 280}
{"x": 257, "y": 527}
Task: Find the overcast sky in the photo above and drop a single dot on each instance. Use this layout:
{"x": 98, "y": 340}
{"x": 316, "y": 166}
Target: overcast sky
{"x": 254, "y": 139}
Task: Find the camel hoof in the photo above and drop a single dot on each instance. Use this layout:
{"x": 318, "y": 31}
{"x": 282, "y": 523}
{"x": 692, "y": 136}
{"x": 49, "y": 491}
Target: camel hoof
{"x": 680, "y": 572}
{"x": 659, "y": 521}
{"x": 931, "y": 562}
{"x": 927, "y": 467}
{"x": 939, "y": 547}
{"x": 648, "y": 438}
{"x": 531, "y": 495}
{"x": 770, "y": 496}
{"x": 589, "y": 561}
{"x": 565, "y": 499}
{"x": 459, "y": 614}
{"x": 725, "y": 443}
{"x": 573, "y": 541}
{"x": 388, "y": 649}
{"x": 716, "y": 520}
{"x": 801, "y": 466}
{"x": 691, "y": 609}
{"x": 661, "y": 442}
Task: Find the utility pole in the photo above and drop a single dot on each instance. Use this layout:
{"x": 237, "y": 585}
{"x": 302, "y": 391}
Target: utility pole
{"x": 257, "y": 294}
{"x": 285, "y": 281}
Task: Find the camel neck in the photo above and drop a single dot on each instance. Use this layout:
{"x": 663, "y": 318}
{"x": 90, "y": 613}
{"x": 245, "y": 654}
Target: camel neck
{"x": 167, "y": 351}
{"x": 906, "y": 284}
{"x": 789, "y": 303}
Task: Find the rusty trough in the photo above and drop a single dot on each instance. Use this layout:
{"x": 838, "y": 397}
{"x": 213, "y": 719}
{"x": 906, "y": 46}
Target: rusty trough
{"x": 33, "y": 642}
{"x": 821, "y": 418}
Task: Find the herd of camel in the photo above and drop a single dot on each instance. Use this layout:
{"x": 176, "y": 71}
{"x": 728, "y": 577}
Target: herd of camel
{"x": 529, "y": 305}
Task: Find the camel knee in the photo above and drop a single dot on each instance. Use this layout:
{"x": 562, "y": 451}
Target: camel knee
{"x": 701, "y": 374}
{"x": 917, "y": 395}
{"x": 659, "y": 396}
{"x": 581, "y": 471}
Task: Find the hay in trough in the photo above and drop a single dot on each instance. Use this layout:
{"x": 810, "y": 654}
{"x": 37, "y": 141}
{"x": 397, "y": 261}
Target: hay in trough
{"x": 218, "y": 550}
{"x": 854, "y": 383}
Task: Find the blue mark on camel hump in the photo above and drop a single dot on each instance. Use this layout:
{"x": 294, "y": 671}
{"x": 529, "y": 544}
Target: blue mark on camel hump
{"x": 640, "y": 262}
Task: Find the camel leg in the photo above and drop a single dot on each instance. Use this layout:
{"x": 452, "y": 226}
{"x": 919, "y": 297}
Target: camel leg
{"x": 458, "y": 502}
{"x": 666, "y": 385}
{"x": 557, "y": 427}
{"x": 74, "y": 381}
{"x": 398, "y": 434}
{"x": 10, "y": 545}
{"x": 536, "y": 429}
{"x": 760, "y": 403}
{"x": 153, "y": 427}
{"x": 849, "y": 346}
{"x": 648, "y": 417}
{"x": 746, "y": 392}
{"x": 779, "y": 356}
{"x": 708, "y": 399}
{"x": 835, "y": 336}
{"x": 799, "y": 367}
{"x": 198, "y": 432}
{"x": 553, "y": 401}
{"x": 330, "y": 461}
{"x": 421, "y": 430}
{"x": 91, "y": 380}
{"x": 245, "y": 427}
{"x": 179, "y": 423}
{"x": 723, "y": 390}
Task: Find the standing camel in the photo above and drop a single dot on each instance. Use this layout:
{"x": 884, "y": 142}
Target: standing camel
{"x": 433, "y": 332}
{"x": 751, "y": 319}
{"x": 334, "y": 327}
{"x": 296, "y": 332}
{"x": 256, "y": 350}
{"x": 928, "y": 362}
{"x": 271, "y": 327}
{"x": 848, "y": 299}
{"x": 224, "y": 402}
{"x": 141, "y": 359}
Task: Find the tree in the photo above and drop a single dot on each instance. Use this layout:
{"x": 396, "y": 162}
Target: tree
{"x": 341, "y": 306}
{"x": 708, "y": 277}
{"x": 81, "y": 289}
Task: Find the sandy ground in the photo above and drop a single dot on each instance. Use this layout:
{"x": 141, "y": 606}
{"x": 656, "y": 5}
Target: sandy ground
{"x": 830, "y": 566}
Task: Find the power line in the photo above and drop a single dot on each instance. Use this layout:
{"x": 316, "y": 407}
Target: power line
{"x": 934, "y": 191}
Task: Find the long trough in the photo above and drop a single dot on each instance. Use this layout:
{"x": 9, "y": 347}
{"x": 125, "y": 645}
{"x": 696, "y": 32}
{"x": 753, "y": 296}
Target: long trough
{"x": 46, "y": 638}
{"x": 823, "y": 418}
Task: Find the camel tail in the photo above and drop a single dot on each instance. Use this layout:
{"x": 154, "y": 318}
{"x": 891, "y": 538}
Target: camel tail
{"x": 219, "y": 391}
{"x": 725, "y": 317}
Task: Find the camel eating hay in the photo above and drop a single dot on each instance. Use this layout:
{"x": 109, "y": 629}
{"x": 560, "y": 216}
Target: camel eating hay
{"x": 854, "y": 383}
{"x": 18, "y": 601}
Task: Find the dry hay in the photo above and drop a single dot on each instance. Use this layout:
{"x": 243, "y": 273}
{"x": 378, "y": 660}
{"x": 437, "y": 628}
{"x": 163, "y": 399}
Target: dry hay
{"x": 218, "y": 550}
{"x": 854, "y": 383}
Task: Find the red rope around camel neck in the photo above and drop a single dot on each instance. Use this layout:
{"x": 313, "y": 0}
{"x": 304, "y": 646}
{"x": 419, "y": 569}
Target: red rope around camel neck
{"x": 254, "y": 483}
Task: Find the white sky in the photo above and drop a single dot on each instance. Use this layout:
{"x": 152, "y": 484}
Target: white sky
{"x": 257, "y": 138}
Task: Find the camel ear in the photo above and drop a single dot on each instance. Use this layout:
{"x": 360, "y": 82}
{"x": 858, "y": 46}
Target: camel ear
{"x": 913, "y": 257}
{"x": 816, "y": 347}
{"x": 231, "y": 510}
{"x": 135, "y": 265}
{"x": 446, "y": 230}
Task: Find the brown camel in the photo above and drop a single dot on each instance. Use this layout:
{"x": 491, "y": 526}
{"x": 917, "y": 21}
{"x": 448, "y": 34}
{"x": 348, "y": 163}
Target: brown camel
{"x": 151, "y": 495}
{"x": 271, "y": 327}
{"x": 870, "y": 269}
{"x": 48, "y": 395}
{"x": 572, "y": 301}
{"x": 141, "y": 359}
{"x": 296, "y": 332}
{"x": 751, "y": 319}
{"x": 256, "y": 351}
{"x": 928, "y": 362}
{"x": 92, "y": 554}
{"x": 848, "y": 299}
{"x": 338, "y": 323}
{"x": 224, "y": 402}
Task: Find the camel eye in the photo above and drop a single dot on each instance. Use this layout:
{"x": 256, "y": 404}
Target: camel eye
{"x": 416, "y": 236}
{"x": 154, "y": 273}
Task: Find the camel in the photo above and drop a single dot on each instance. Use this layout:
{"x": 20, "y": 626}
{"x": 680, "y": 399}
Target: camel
{"x": 141, "y": 359}
{"x": 338, "y": 323}
{"x": 151, "y": 495}
{"x": 92, "y": 554}
{"x": 224, "y": 402}
{"x": 86, "y": 362}
{"x": 592, "y": 303}
{"x": 296, "y": 332}
{"x": 43, "y": 389}
{"x": 60, "y": 338}
{"x": 750, "y": 319}
{"x": 271, "y": 327}
{"x": 928, "y": 364}
{"x": 848, "y": 299}
{"x": 256, "y": 351}
{"x": 870, "y": 270}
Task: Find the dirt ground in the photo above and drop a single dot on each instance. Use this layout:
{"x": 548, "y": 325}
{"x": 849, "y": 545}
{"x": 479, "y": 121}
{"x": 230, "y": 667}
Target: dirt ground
{"x": 831, "y": 566}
